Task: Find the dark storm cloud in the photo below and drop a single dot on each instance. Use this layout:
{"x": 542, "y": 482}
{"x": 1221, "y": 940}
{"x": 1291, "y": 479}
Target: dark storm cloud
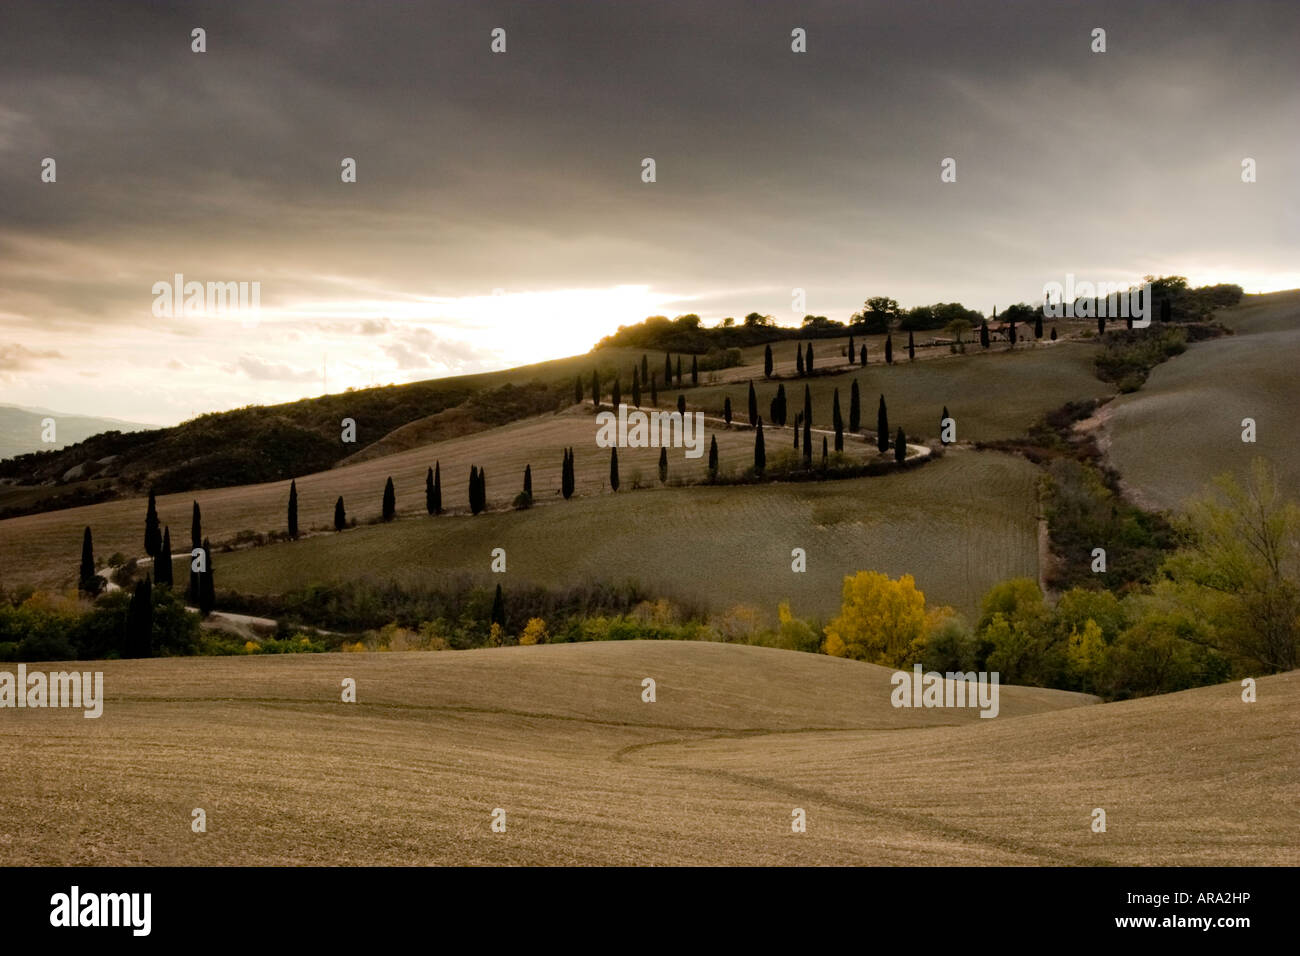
{"x": 522, "y": 171}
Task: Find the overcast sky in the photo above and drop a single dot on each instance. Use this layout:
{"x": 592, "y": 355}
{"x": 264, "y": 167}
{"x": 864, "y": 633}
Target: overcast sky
{"x": 499, "y": 214}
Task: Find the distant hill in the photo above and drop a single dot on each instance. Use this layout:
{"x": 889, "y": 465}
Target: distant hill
{"x": 21, "y": 429}
{"x": 261, "y": 443}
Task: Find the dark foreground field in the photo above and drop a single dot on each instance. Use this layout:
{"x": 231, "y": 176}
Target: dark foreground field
{"x": 559, "y": 738}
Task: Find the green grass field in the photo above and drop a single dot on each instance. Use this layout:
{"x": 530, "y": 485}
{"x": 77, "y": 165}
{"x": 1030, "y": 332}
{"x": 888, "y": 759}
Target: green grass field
{"x": 559, "y": 738}
{"x": 959, "y": 525}
{"x": 1184, "y": 427}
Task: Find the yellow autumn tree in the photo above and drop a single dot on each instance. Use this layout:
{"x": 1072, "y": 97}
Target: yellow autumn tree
{"x": 881, "y": 621}
{"x": 534, "y": 632}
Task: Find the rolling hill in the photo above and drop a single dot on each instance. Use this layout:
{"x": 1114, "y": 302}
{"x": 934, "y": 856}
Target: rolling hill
{"x": 559, "y": 738}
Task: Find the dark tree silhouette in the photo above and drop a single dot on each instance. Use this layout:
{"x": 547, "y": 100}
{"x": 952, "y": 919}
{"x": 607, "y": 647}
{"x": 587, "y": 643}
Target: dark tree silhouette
{"x": 340, "y": 516}
{"x": 808, "y": 360}
{"x": 390, "y": 501}
{"x": 196, "y": 541}
{"x": 862, "y": 356}
{"x": 713, "y": 458}
{"x": 943, "y": 418}
{"x": 679, "y": 371}
{"x": 1166, "y": 310}
{"x": 807, "y": 406}
{"x": 798, "y": 359}
{"x": 293, "y": 509}
{"x": 767, "y": 361}
{"x": 780, "y": 417}
{"x": 1011, "y": 332}
{"x": 152, "y": 530}
{"x": 726, "y": 409}
{"x": 616, "y": 397}
{"x": 645, "y": 370}
{"x": 1038, "y": 326}
{"x": 433, "y": 490}
{"x": 882, "y": 427}
{"x": 984, "y": 333}
{"x": 595, "y": 389}
{"x": 654, "y": 391}
{"x": 852, "y": 354}
{"x": 499, "y": 609}
{"x": 681, "y": 405}
{"x": 695, "y": 370}
{"x": 528, "y": 480}
{"x": 162, "y": 571}
{"x": 1053, "y": 336}
{"x": 824, "y": 455}
{"x": 663, "y": 466}
{"x": 900, "y": 445}
{"x": 855, "y": 408}
{"x": 760, "y": 452}
{"x": 137, "y": 641}
{"x": 613, "y": 468}
{"x": 889, "y": 350}
{"x": 88, "y": 582}
{"x": 753, "y": 405}
{"x": 911, "y": 347}
{"x": 566, "y": 475}
{"x": 1101, "y": 325}
{"x": 577, "y": 390}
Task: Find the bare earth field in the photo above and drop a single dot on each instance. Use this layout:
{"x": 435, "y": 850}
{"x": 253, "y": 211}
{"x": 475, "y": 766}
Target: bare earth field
{"x": 587, "y": 773}
{"x": 1190, "y": 410}
{"x": 677, "y": 541}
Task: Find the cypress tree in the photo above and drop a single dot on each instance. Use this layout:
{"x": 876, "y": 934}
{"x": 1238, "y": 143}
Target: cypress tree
{"x": 760, "y": 453}
{"x": 1038, "y": 326}
{"x": 1166, "y": 310}
{"x": 823, "y": 451}
{"x": 882, "y": 427}
{"x": 340, "y": 516}
{"x": 613, "y": 468}
{"x": 87, "y": 581}
{"x": 293, "y": 509}
{"x": 1011, "y": 332}
{"x": 636, "y": 387}
{"x": 499, "y": 609}
{"x": 798, "y": 359}
{"x": 645, "y": 369}
{"x": 943, "y": 418}
{"x": 163, "y": 574}
{"x": 663, "y": 466}
{"x": 577, "y": 390}
{"x": 138, "y": 639}
{"x": 780, "y": 418}
{"x": 900, "y": 445}
{"x": 807, "y": 440}
{"x": 837, "y": 420}
{"x": 207, "y": 588}
{"x": 616, "y": 397}
{"x": 984, "y": 333}
{"x": 428, "y": 491}
{"x": 808, "y": 360}
{"x": 679, "y": 371}
{"x": 852, "y": 353}
{"x": 196, "y": 541}
{"x": 390, "y": 501}
{"x": 595, "y": 389}
{"x": 152, "y": 530}
{"x": 798, "y": 421}
{"x": 1053, "y": 333}
{"x": 528, "y": 480}
{"x": 855, "y": 408}
{"x": 482, "y": 489}
{"x": 654, "y": 391}
{"x": 753, "y": 404}
{"x": 807, "y": 405}
{"x": 1101, "y": 325}
{"x": 767, "y": 361}
{"x": 726, "y": 409}
{"x": 889, "y": 350}
{"x": 681, "y": 405}
{"x": 713, "y": 458}
{"x": 668, "y": 368}
{"x": 695, "y": 370}
{"x": 862, "y": 356}
{"x": 911, "y": 347}
{"x": 566, "y": 475}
